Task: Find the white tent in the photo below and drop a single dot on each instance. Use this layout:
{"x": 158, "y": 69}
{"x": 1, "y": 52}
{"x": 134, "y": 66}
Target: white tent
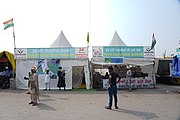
{"x": 24, "y": 65}
{"x": 61, "y": 41}
{"x": 129, "y": 56}
{"x": 117, "y": 41}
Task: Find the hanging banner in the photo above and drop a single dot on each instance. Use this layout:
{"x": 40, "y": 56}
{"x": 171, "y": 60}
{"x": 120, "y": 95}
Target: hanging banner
{"x": 51, "y": 53}
{"x": 51, "y": 64}
{"x": 44, "y": 65}
{"x": 97, "y": 51}
{"x": 114, "y": 60}
{"x": 122, "y": 51}
{"x": 81, "y": 52}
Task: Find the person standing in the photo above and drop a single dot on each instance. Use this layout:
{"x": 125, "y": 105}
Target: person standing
{"x": 29, "y": 74}
{"x": 34, "y": 86}
{"x": 61, "y": 80}
{"x": 2, "y": 78}
{"x": 112, "y": 90}
{"x": 47, "y": 80}
{"x": 128, "y": 77}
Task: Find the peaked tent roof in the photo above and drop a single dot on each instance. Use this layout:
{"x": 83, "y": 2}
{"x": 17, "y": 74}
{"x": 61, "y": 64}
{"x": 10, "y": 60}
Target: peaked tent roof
{"x": 117, "y": 41}
{"x": 61, "y": 41}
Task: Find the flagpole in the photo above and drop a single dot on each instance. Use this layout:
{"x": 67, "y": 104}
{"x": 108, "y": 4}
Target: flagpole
{"x": 89, "y": 32}
{"x": 14, "y": 35}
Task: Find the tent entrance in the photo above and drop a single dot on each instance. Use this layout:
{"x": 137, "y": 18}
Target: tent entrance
{"x": 78, "y": 77}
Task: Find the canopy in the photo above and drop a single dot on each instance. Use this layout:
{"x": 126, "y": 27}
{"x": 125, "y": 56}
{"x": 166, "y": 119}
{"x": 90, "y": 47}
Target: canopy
{"x": 61, "y": 41}
{"x": 117, "y": 41}
{"x": 129, "y": 61}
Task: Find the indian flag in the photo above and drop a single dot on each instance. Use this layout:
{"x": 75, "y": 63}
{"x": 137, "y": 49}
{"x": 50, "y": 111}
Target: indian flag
{"x": 8, "y": 24}
{"x": 153, "y": 42}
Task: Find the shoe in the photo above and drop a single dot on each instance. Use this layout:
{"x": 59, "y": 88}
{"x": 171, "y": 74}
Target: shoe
{"x": 130, "y": 90}
{"x": 31, "y": 102}
{"x": 107, "y": 107}
{"x": 116, "y": 107}
{"x": 28, "y": 92}
{"x": 44, "y": 89}
{"x": 35, "y": 103}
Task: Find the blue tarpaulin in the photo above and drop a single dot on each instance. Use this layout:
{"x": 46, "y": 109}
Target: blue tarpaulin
{"x": 176, "y": 66}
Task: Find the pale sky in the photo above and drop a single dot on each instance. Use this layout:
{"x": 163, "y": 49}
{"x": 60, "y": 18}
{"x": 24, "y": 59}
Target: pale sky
{"x": 39, "y": 22}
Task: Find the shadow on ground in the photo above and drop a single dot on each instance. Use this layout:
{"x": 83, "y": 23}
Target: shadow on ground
{"x": 143, "y": 115}
{"x": 159, "y": 89}
{"x": 43, "y": 106}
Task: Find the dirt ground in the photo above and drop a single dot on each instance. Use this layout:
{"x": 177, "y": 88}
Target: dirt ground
{"x": 162, "y": 103}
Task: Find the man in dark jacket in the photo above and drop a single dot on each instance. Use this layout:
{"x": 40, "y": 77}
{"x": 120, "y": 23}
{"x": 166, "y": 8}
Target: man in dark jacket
{"x": 112, "y": 90}
{"x": 61, "y": 81}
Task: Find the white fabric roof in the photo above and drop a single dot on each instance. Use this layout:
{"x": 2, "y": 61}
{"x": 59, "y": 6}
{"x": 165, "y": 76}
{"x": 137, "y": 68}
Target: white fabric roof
{"x": 129, "y": 61}
{"x": 61, "y": 41}
{"x": 103, "y": 63}
{"x": 117, "y": 41}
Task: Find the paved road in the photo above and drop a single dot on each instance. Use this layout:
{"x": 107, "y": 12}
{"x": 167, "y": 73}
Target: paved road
{"x": 162, "y": 103}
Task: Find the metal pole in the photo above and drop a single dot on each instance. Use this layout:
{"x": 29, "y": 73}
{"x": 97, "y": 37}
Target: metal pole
{"x": 14, "y": 35}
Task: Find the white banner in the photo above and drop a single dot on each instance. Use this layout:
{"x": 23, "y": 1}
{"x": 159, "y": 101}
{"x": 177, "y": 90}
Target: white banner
{"x": 20, "y": 53}
{"x": 97, "y": 51}
{"x": 81, "y": 52}
{"x": 44, "y": 65}
{"x": 136, "y": 83}
{"x": 148, "y": 53}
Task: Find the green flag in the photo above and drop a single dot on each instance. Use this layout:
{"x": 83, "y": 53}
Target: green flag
{"x": 153, "y": 42}
{"x": 88, "y": 38}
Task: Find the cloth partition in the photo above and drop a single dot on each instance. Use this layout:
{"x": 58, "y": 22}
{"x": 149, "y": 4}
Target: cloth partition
{"x": 24, "y": 67}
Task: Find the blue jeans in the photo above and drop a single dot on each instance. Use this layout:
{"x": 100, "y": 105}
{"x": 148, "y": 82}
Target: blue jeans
{"x": 112, "y": 92}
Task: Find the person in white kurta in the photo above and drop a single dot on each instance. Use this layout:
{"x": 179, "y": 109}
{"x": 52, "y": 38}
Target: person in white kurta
{"x": 128, "y": 77}
{"x": 47, "y": 80}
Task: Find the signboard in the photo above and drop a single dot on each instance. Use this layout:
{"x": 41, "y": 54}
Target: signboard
{"x": 136, "y": 83}
{"x": 114, "y": 60}
{"x": 106, "y": 83}
{"x": 81, "y": 52}
{"x": 178, "y": 52}
{"x": 148, "y": 53}
{"x": 97, "y": 51}
{"x": 51, "y": 53}
{"x": 52, "y": 64}
{"x": 20, "y": 53}
{"x": 123, "y": 51}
